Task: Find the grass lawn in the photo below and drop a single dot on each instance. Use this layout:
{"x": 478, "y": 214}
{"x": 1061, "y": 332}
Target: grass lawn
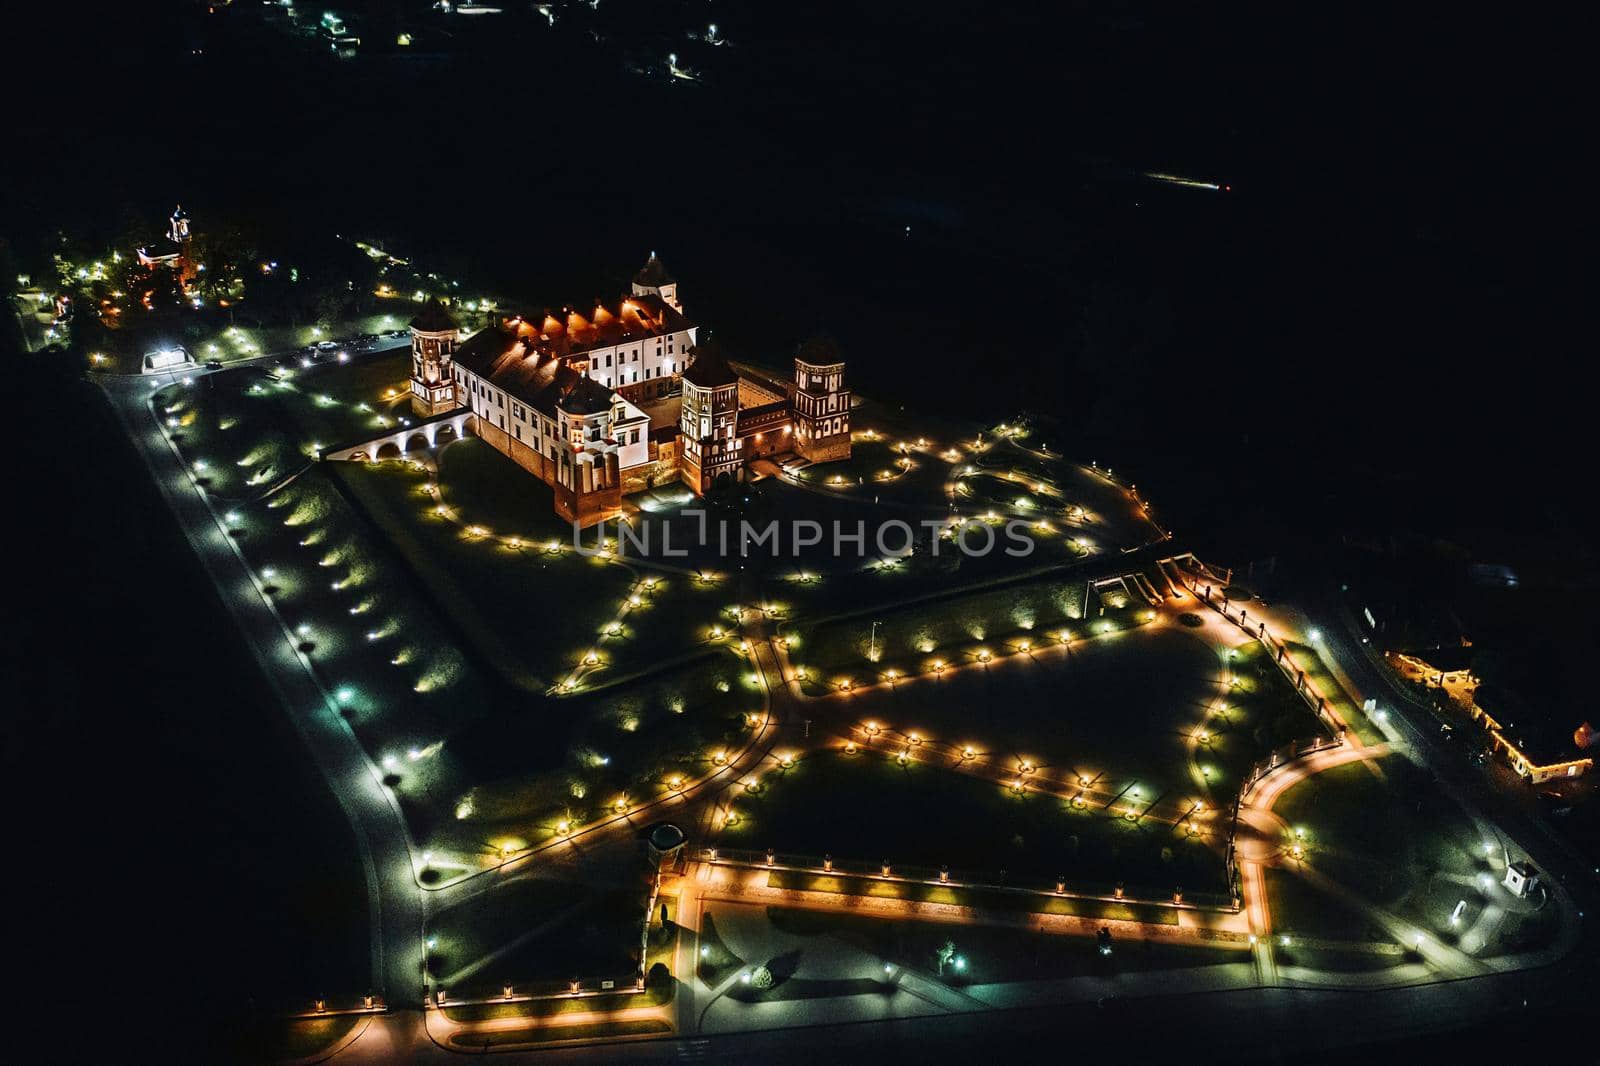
{"x": 573, "y": 759}
{"x": 1131, "y": 707}
{"x": 476, "y": 765}
{"x": 906, "y": 636}
{"x": 1009, "y": 490}
{"x": 1300, "y": 911}
{"x": 819, "y": 583}
{"x": 546, "y": 932}
{"x": 469, "y": 931}
{"x": 235, "y": 431}
{"x": 251, "y": 430}
{"x": 1422, "y": 832}
{"x": 1525, "y": 932}
{"x": 867, "y": 808}
{"x": 534, "y": 613}
{"x": 1341, "y": 960}
{"x": 301, "y": 1037}
{"x": 1397, "y": 840}
{"x": 1307, "y": 658}
{"x": 377, "y": 645}
{"x": 489, "y": 489}
{"x": 1110, "y": 515}
{"x": 1262, "y": 712}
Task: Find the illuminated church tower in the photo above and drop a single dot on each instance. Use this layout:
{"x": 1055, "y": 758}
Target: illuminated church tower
{"x": 821, "y": 403}
{"x": 654, "y": 280}
{"x": 178, "y": 226}
{"x": 434, "y": 337}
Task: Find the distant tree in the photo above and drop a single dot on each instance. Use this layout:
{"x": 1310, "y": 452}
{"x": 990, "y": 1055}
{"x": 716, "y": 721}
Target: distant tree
{"x": 228, "y": 256}
{"x": 10, "y": 267}
{"x": 330, "y": 304}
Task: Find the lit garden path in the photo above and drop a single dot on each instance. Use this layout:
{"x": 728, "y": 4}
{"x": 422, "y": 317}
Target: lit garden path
{"x": 591, "y": 662}
{"x": 382, "y": 837}
{"x": 970, "y": 459}
{"x": 1260, "y": 842}
{"x": 1078, "y": 791}
{"x": 864, "y": 732}
{"x": 679, "y": 795}
{"x": 717, "y": 881}
{"x": 707, "y": 884}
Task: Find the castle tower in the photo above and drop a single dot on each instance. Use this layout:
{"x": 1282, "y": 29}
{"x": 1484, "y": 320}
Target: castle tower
{"x": 821, "y": 403}
{"x": 654, "y": 280}
{"x": 708, "y": 421}
{"x": 434, "y": 337}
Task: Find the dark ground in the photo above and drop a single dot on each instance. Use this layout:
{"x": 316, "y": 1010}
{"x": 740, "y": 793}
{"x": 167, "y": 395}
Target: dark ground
{"x": 175, "y": 844}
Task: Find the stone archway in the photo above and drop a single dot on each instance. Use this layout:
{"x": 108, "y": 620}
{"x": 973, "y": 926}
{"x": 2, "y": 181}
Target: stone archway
{"x": 389, "y": 450}
{"x": 445, "y": 435}
{"x": 416, "y": 443}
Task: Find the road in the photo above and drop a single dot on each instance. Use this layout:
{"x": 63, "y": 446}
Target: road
{"x": 394, "y": 901}
{"x": 1513, "y": 815}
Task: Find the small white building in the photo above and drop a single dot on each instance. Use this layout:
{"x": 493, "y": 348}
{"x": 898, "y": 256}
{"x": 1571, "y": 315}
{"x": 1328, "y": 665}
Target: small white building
{"x": 1521, "y": 879}
{"x": 175, "y": 358}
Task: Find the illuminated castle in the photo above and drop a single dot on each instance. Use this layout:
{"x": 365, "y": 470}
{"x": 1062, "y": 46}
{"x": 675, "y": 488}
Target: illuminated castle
{"x": 588, "y": 401}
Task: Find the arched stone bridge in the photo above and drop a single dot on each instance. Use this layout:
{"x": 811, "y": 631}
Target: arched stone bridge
{"x": 419, "y": 436}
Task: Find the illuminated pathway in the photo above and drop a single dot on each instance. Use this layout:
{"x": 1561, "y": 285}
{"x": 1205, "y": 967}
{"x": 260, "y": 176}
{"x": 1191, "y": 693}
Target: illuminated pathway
{"x": 397, "y": 905}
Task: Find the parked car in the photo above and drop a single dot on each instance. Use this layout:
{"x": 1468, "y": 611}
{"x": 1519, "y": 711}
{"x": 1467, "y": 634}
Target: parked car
{"x": 214, "y": 364}
{"x": 327, "y": 346}
{"x": 395, "y": 334}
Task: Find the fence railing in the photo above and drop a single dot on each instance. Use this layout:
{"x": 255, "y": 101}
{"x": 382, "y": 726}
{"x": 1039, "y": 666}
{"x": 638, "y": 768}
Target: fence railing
{"x": 1277, "y": 650}
{"x": 536, "y": 991}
